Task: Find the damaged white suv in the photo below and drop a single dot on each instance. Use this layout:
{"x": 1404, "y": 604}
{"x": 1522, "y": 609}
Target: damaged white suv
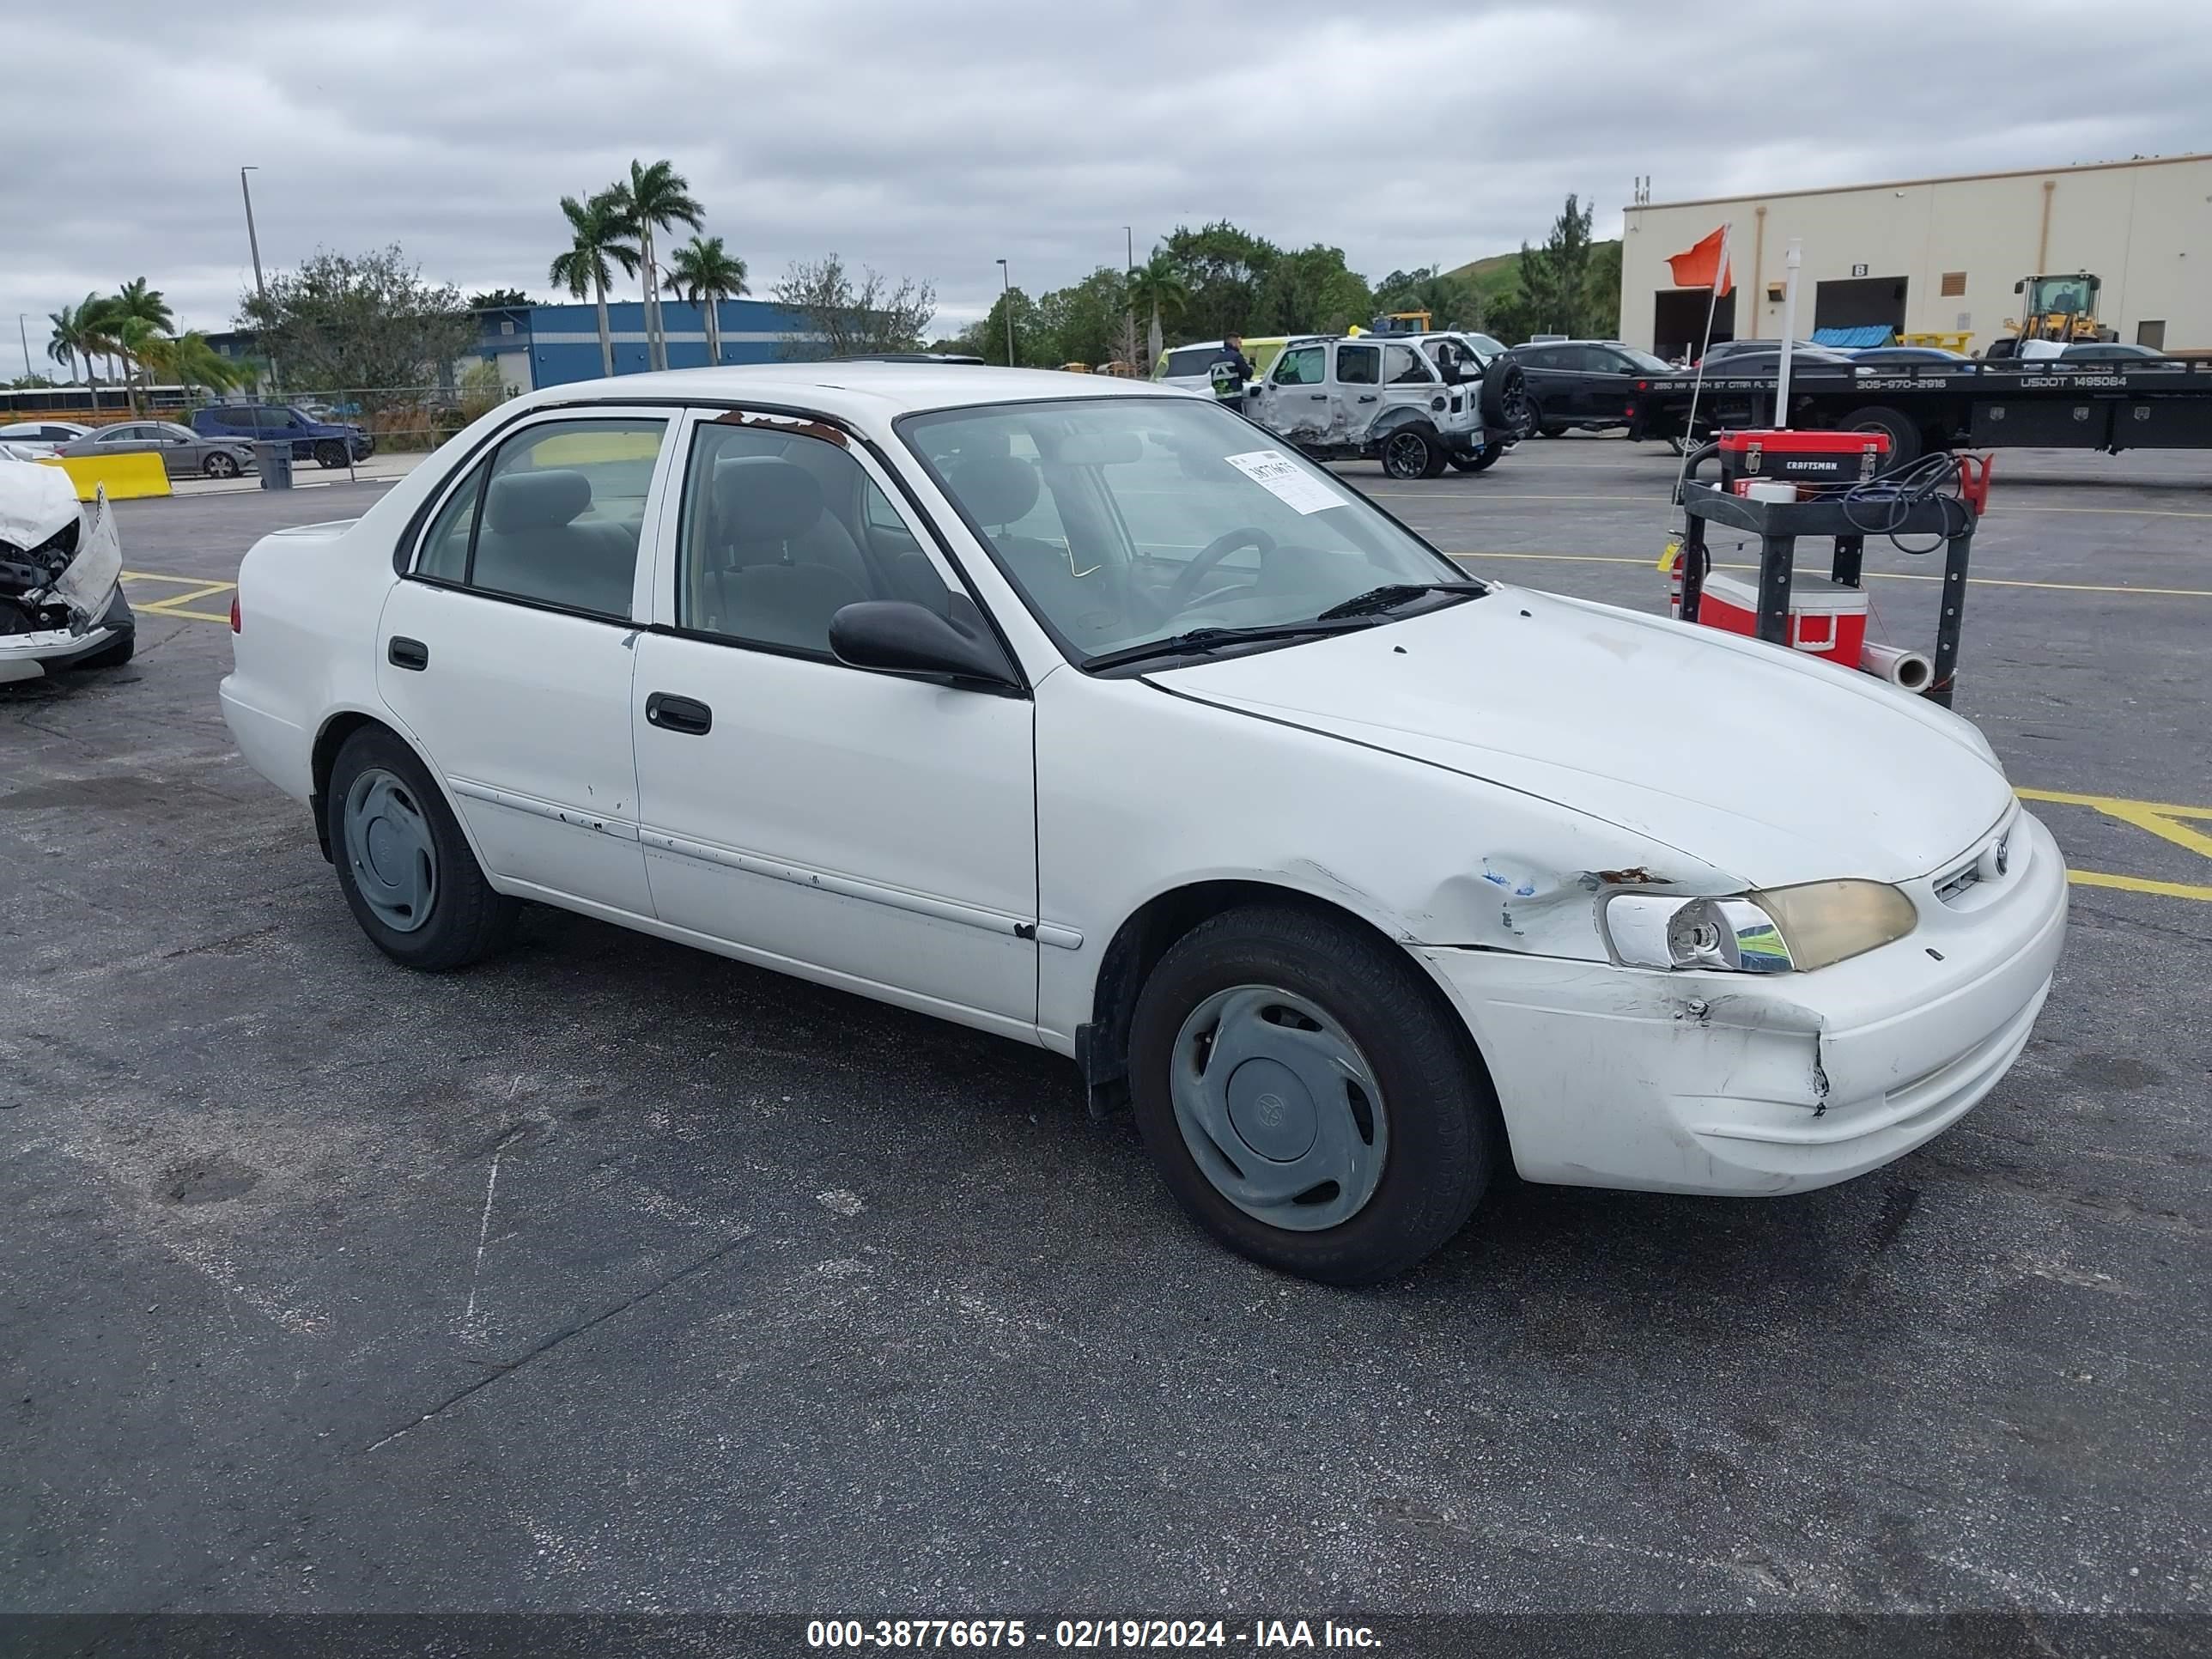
{"x": 1083, "y": 712}
{"x": 61, "y": 564}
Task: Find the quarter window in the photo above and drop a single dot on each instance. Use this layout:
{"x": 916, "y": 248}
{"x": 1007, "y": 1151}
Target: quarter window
{"x": 1402, "y": 366}
{"x": 781, "y": 531}
{"x": 555, "y": 516}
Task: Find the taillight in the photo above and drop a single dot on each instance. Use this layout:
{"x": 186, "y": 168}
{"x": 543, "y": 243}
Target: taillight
{"x": 234, "y": 613}
{"x": 1643, "y": 386}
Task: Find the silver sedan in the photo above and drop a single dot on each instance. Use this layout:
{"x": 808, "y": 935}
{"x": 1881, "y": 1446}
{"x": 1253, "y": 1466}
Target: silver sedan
{"x": 184, "y": 453}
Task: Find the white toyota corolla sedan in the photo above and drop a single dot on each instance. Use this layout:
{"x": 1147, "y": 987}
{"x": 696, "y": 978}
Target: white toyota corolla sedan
{"x": 1085, "y": 712}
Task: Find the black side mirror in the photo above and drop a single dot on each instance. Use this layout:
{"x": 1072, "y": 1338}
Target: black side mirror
{"x": 901, "y": 637}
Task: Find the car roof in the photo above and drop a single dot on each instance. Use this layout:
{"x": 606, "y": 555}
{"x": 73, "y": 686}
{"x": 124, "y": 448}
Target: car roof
{"x": 854, "y": 391}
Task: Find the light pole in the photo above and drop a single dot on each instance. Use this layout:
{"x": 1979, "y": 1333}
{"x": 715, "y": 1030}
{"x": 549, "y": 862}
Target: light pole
{"x": 25, "y": 339}
{"x": 1129, "y": 247}
{"x": 1006, "y": 295}
{"x": 253, "y": 241}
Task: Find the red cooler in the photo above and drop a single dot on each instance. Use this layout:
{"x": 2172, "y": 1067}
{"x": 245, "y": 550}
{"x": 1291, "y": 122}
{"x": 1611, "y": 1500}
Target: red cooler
{"x": 1826, "y": 619}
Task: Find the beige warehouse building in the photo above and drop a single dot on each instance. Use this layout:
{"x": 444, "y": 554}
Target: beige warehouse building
{"x": 1938, "y": 255}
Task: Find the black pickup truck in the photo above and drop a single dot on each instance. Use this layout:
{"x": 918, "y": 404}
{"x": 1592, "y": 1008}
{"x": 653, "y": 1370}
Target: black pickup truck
{"x": 2010, "y": 403}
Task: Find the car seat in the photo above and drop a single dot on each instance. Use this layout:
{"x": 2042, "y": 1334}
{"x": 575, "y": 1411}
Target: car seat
{"x": 778, "y": 567}
{"x": 530, "y": 544}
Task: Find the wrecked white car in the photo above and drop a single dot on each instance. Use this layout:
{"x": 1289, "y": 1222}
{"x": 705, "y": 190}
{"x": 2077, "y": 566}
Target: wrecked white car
{"x": 1082, "y": 713}
{"x": 61, "y": 563}
{"x": 1380, "y": 398}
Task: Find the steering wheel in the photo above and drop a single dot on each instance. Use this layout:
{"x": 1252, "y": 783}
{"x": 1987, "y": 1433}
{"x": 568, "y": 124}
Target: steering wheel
{"x": 1184, "y": 587}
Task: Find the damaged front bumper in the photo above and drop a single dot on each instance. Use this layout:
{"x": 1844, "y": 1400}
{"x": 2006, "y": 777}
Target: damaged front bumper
{"x": 1730, "y": 1083}
{"x": 78, "y": 612}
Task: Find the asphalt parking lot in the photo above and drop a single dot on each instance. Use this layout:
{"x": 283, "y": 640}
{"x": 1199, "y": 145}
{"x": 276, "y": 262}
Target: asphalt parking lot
{"x": 614, "y": 1276}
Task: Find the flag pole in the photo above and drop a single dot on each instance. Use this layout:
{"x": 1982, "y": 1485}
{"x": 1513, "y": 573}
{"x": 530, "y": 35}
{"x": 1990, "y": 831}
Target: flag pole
{"x": 1712, "y": 308}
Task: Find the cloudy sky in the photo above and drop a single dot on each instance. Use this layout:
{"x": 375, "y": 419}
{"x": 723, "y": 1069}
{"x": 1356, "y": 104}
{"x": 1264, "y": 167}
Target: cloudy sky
{"x": 929, "y": 137}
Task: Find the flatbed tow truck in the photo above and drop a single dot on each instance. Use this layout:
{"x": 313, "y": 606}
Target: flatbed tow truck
{"x": 2010, "y": 403}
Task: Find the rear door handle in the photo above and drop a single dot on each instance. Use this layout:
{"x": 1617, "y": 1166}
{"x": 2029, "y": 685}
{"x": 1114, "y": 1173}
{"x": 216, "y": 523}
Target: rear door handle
{"x": 403, "y": 653}
{"x": 1366, "y": 397}
{"x": 670, "y": 712}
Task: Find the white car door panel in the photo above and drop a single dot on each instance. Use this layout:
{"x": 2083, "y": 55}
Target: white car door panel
{"x": 510, "y": 658}
{"x": 871, "y": 827}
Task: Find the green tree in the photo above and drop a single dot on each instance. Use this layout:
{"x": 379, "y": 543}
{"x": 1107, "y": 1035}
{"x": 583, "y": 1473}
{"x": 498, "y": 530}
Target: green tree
{"x": 655, "y": 197}
{"x": 1555, "y": 278}
{"x": 1451, "y": 302}
{"x": 346, "y": 320}
{"x": 840, "y": 315}
{"x": 1222, "y": 269}
{"x": 1084, "y": 322}
{"x": 1157, "y": 291}
{"x": 1603, "y": 287}
{"x": 1310, "y": 291}
{"x": 705, "y": 273}
{"x": 597, "y": 233}
{"x": 191, "y": 362}
{"x": 78, "y": 334}
{"x": 498, "y": 299}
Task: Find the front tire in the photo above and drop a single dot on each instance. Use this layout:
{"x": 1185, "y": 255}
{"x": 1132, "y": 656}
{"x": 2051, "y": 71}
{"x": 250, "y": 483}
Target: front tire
{"x": 1308, "y": 1097}
{"x": 331, "y": 453}
{"x": 406, "y": 868}
{"x": 220, "y": 465}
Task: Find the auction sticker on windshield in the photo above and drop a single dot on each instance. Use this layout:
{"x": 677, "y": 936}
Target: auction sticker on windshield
{"x": 1279, "y": 474}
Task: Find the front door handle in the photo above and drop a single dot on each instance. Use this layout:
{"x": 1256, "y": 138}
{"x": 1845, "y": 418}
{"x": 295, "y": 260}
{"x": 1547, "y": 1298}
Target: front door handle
{"x": 1318, "y": 396}
{"x": 403, "y": 653}
{"x": 673, "y": 714}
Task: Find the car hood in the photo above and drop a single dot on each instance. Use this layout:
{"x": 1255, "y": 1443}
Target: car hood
{"x": 1763, "y": 763}
{"x": 36, "y": 502}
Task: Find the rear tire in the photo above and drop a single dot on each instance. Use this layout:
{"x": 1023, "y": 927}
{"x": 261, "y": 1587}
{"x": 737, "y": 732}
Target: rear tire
{"x": 1903, "y": 435}
{"x": 1481, "y": 463}
{"x": 1403, "y": 1115}
{"x": 1412, "y": 452}
{"x": 403, "y": 863}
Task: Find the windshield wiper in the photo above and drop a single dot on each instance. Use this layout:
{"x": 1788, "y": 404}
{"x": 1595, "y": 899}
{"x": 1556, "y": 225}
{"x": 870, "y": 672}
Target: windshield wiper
{"x": 1199, "y": 640}
{"x": 1391, "y": 594}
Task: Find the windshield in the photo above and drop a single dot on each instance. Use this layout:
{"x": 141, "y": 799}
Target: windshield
{"x": 1129, "y": 520}
{"x": 1645, "y": 361}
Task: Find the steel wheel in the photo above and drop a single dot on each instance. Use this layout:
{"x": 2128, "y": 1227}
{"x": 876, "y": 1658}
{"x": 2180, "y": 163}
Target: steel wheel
{"x": 390, "y": 850}
{"x": 1278, "y": 1108}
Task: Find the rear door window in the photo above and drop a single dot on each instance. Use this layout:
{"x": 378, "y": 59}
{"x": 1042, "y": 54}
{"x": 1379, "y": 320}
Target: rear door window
{"x": 554, "y": 517}
{"x": 1402, "y": 366}
{"x": 1359, "y": 365}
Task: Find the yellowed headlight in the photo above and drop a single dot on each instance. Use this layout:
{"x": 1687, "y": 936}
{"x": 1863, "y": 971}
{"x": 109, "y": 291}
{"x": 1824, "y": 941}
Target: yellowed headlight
{"x": 1827, "y": 921}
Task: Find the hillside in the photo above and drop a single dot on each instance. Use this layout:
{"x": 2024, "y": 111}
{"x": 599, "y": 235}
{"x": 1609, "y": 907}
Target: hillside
{"x": 1501, "y": 271}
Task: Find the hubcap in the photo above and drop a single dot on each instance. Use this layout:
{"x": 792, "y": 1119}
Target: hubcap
{"x": 1278, "y": 1108}
{"x": 390, "y": 851}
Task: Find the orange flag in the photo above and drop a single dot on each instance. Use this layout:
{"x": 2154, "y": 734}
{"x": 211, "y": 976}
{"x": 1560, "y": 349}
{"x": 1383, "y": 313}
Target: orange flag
{"x": 1706, "y": 265}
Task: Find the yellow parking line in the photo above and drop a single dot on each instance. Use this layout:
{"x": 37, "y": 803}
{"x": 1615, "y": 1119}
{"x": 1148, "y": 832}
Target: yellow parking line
{"x": 2181, "y": 890}
{"x": 207, "y": 583}
{"x": 2160, "y": 819}
{"x": 177, "y": 604}
{"x": 1879, "y": 575}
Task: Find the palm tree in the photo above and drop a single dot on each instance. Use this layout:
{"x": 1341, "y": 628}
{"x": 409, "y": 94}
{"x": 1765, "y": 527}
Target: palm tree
{"x": 1157, "y": 286}
{"x": 597, "y": 227}
{"x": 190, "y": 361}
{"x": 654, "y": 197}
{"x": 77, "y": 334}
{"x": 135, "y": 340}
{"x": 704, "y": 274}
{"x": 135, "y": 298}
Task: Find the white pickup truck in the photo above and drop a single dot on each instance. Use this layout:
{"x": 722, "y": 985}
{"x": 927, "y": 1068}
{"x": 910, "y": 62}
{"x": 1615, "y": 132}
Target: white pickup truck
{"x": 1416, "y": 404}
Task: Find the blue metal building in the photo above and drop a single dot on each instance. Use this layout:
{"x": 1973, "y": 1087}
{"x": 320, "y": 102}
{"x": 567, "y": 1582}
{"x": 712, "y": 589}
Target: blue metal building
{"x": 563, "y": 340}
